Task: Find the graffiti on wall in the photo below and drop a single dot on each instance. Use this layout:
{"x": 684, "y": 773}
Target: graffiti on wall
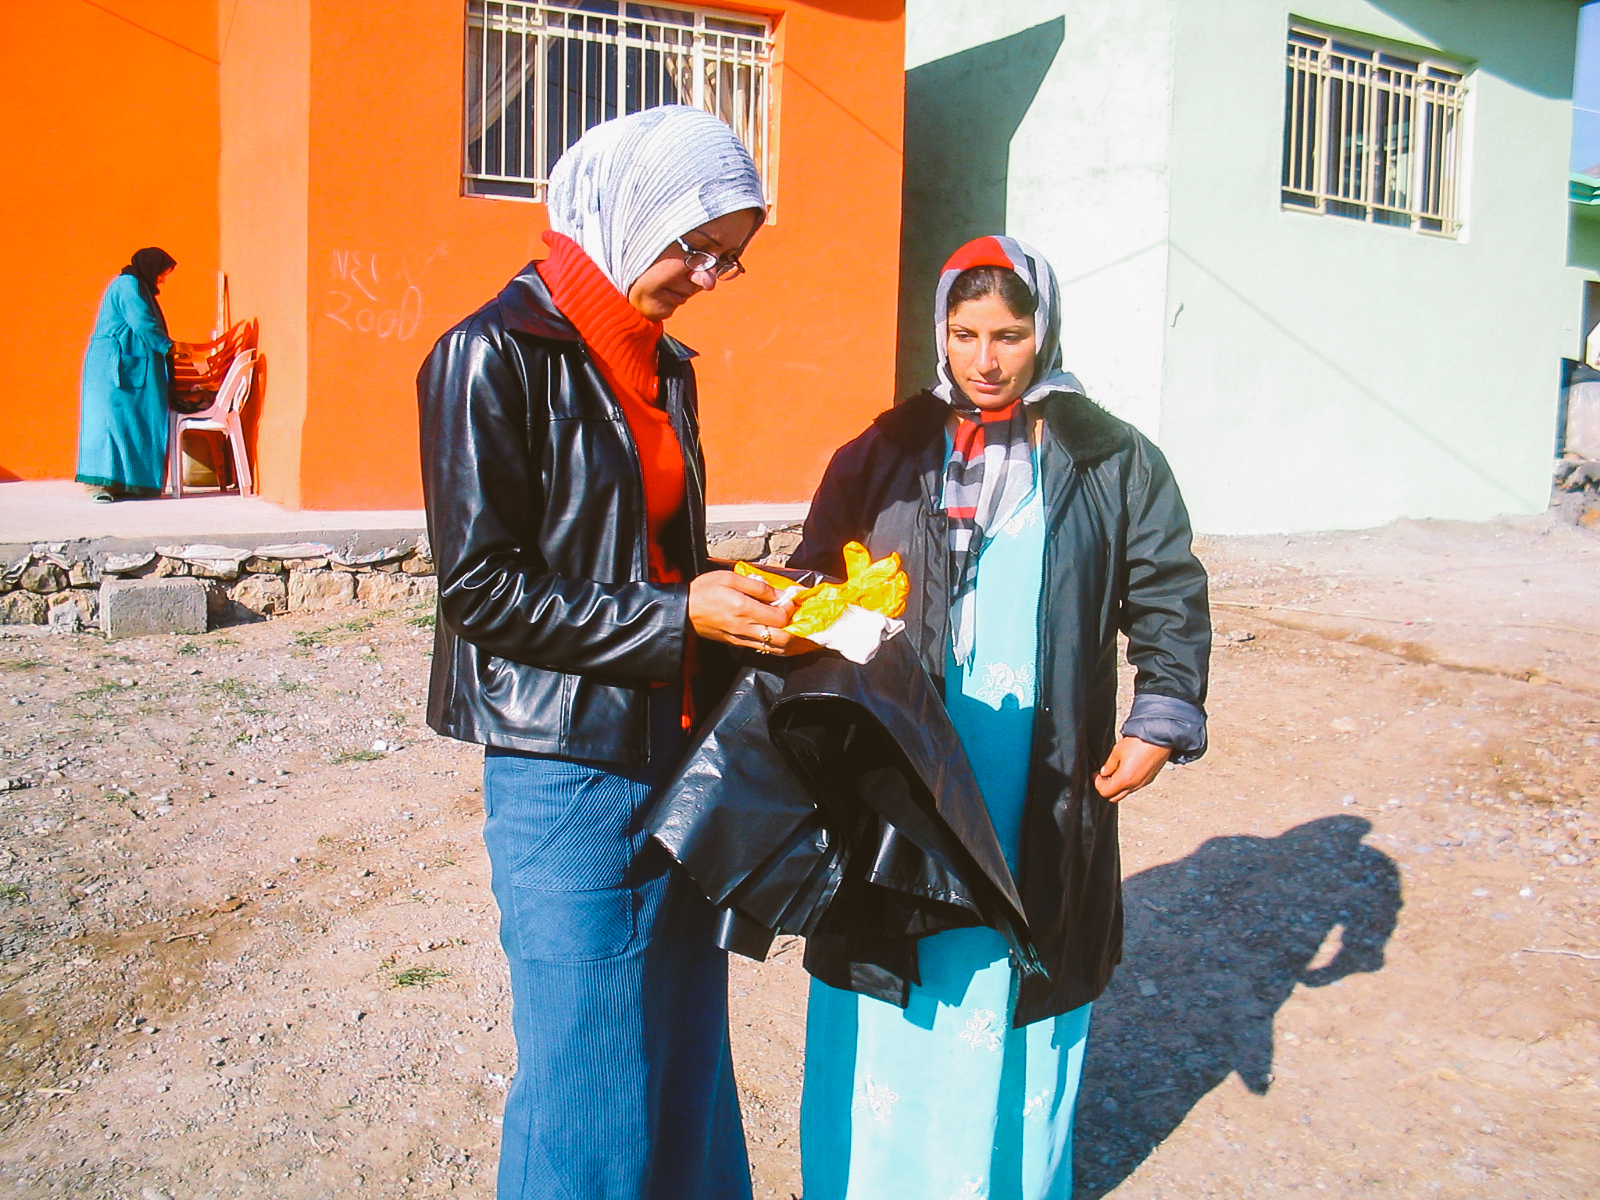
{"x": 377, "y": 295}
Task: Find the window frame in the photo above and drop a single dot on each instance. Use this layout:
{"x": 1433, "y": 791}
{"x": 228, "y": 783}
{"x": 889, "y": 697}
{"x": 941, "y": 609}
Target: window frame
{"x": 714, "y": 54}
{"x": 1374, "y": 131}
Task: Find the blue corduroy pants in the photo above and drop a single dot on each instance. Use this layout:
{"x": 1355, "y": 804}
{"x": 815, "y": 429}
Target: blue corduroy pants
{"x": 624, "y": 1087}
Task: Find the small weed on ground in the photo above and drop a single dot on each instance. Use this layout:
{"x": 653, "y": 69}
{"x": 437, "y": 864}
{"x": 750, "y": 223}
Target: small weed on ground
{"x": 318, "y": 637}
{"x": 20, "y": 664}
{"x": 109, "y": 688}
{"x": 425, "y": 620}
{"x": 209, "y": 644}
{"x": 420, "y": 977}
{"x": 350, "y": 756}
{"x": 13, "y": 892}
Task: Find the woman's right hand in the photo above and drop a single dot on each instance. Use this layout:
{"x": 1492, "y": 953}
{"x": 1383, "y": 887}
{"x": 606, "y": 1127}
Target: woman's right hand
{"x": 740, "y": 610}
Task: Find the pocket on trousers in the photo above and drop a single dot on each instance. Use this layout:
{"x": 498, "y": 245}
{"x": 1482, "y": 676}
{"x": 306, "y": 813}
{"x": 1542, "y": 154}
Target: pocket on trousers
{"x": 570, "y": 927}
{"x": 562, "y": 826}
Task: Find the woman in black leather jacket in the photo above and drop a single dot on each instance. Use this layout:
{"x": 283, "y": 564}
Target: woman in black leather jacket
{"x": 580, "y": 624}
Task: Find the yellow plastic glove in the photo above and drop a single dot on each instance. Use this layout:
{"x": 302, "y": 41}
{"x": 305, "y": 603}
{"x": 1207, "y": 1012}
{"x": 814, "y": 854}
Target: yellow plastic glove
{"x": 880, "y": 586}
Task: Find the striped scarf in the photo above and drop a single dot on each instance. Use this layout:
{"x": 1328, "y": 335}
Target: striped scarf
{"x": 989, "y": 475}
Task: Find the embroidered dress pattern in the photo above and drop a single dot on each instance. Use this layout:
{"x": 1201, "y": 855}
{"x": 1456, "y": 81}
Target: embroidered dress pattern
{"x": 1001, "y": 680}
{"x": 981, "y": 1033}
{"x": 1024, "y": 519}
{"x": 880, "y": 1101}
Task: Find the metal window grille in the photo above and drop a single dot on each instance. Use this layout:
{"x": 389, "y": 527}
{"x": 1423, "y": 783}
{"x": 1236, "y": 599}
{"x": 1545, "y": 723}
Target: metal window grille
{"x": 1372, "y": 136}
{"x": 539, "y": 75}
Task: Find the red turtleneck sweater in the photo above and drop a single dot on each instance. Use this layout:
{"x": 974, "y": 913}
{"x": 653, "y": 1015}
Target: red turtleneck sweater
{"x": 623, "y": 343}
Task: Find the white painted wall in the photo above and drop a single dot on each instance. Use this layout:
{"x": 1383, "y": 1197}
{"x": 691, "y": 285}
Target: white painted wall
{"x": 1088, "y": 175}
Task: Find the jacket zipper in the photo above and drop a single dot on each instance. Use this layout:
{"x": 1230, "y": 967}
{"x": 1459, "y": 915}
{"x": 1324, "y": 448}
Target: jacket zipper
{"x": 938, "y": 532}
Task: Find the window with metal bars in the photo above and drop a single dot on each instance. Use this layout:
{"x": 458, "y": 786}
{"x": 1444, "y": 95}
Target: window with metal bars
{"x": 1372, "y": 134}
{"x": 539, "y": 75}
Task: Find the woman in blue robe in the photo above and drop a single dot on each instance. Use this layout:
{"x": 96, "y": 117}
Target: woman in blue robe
{"x": 122, "y": 434}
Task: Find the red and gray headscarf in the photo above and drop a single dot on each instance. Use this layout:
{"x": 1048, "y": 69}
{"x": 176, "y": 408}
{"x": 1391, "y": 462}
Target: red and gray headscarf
{"x": 990, "y": 472}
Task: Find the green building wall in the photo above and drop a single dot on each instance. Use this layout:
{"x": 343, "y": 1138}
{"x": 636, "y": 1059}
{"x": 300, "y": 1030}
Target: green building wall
{"x": 1301, "y": 372}
{"x": 1329, "y": 373}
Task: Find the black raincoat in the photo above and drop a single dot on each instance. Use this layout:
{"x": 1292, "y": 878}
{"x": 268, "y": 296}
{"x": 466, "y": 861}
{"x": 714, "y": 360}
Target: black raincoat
{"x": 835, "y": 801}
{"x": 1117, "y": 558}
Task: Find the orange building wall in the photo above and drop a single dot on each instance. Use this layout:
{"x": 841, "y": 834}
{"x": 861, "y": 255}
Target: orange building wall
{"x": 312, "y": 149}
{"x": 108, "y": 126}
{"x": 795, "y": 357}
{"x": 264, "y": 184}
{"x": 397, "y": 254}
{"x": 799, "y": 355}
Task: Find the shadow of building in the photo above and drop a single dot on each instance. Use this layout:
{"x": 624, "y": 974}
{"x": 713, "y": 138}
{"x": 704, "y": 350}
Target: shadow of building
{"x": 961, "y": 111}
{"x": 1215, "y": 944}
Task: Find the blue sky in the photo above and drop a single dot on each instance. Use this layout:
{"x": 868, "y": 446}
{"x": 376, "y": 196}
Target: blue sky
{"x": 1586, "y": 92}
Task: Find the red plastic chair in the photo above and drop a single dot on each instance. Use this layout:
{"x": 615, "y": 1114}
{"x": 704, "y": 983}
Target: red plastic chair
{"x": 202, "y": 366}
{"x": 222, "y": 417}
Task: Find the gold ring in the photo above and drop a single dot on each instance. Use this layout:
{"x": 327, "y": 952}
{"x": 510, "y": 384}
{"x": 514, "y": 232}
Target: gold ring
{"x": 766, "y": 635}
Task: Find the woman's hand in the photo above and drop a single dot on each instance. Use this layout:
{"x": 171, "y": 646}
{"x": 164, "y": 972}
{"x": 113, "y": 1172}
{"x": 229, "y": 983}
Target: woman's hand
{"x": 741, "y": 611}
{"x": 1131, "y": 765}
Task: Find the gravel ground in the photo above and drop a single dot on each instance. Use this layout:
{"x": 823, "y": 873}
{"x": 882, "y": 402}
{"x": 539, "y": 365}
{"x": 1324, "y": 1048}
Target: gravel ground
{"x": 247, "y": 944}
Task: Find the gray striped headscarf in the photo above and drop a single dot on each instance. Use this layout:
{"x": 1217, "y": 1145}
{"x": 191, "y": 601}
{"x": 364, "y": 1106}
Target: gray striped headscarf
{"x": 989, "y": 475}
{"x": 628, "y": 187}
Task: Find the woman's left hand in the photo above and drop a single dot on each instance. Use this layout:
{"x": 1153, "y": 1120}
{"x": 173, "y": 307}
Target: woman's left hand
{"x": 1131, "y": 765}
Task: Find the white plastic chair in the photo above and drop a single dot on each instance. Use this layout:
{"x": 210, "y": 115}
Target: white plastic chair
{"x": 222, "y": 417}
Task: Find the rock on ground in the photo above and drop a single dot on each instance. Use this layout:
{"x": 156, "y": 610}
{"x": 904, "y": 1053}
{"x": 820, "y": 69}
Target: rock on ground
{"x": 131, "y": 608}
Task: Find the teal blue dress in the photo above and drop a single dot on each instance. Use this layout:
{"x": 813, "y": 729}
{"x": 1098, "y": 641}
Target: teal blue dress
{"x": 122, "y": 430}
{"x": 944, "y": 1100}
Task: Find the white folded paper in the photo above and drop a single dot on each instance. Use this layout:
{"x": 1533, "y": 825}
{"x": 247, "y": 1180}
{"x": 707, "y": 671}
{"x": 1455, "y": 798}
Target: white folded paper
{"x": 858, "y": 633}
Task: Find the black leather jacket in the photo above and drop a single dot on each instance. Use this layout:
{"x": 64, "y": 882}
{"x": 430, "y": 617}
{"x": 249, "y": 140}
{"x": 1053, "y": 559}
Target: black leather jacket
{"x": 1117, "y": 558}
{"x": 550, "y": 633}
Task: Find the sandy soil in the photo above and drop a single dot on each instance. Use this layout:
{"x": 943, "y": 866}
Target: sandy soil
{"x": 247, "y": 946}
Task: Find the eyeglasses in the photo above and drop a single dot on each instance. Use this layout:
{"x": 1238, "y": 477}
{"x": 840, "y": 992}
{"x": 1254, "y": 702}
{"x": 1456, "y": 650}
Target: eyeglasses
{"x": 704, "y": 260}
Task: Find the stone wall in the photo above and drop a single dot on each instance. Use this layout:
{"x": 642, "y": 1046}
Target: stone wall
{"x": 58, "y": 583}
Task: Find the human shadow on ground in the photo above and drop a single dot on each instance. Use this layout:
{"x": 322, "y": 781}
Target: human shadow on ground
{"x": 1215, "y": 944}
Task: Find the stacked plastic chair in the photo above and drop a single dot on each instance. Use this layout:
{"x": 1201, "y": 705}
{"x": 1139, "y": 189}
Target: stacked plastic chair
{"x": 224, "y": 370}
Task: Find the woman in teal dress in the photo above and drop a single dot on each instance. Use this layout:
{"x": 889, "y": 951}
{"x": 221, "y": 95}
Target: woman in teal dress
{"x": 122, "y": 432}
{"x": 1053, "y": 526}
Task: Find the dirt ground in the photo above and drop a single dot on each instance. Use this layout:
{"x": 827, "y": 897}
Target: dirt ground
{"x": 247, "y": 944}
